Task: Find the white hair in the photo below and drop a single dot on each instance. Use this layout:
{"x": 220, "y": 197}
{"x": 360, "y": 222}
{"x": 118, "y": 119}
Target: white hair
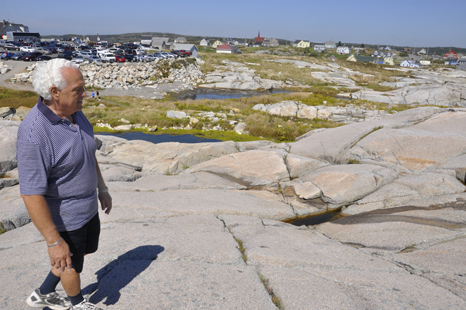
{"x": 48, "y": 74}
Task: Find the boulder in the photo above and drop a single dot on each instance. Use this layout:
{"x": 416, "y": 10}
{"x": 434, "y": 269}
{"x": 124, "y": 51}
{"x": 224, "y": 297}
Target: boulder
{"x": 8, "y": 133}
{"x": 343, "y": 184}
{"x": 252, "y": 168}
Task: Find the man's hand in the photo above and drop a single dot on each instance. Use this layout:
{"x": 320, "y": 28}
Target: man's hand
{"x": 60, "y": 256}
{"x": 105, "y": 202}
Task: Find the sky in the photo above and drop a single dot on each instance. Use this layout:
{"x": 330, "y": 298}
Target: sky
{"x": 416, "y": 23}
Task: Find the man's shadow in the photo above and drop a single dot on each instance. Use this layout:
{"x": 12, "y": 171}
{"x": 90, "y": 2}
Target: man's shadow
{"x": 120, "y": 272}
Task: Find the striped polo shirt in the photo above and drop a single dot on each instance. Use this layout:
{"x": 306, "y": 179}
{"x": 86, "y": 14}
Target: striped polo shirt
{"x": 56, "y": 159}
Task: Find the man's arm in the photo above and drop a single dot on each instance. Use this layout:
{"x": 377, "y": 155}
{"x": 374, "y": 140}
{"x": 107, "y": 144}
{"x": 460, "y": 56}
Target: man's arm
{"x": 60, "y": 256}
{"x": 104, "y": 197}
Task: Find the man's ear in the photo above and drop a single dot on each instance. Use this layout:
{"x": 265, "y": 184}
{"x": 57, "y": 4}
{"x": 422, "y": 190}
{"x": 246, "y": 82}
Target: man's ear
{"x": 55, "y": 92}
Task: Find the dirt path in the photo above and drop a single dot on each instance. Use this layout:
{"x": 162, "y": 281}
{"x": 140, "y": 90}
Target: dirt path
{"x": 18, "y": 67}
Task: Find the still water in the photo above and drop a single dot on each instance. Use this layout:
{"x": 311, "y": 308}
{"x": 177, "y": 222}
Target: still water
{"x": 136, "y": 135}
{"x": 205, "y": 93}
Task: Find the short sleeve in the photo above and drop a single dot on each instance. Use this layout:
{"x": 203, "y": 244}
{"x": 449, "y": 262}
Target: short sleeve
{"x": 33, "y": 169}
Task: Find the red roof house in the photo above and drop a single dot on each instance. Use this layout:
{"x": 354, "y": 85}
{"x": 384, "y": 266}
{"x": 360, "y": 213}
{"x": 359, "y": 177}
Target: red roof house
{"x": 451, "y": 54}
{"x": 224, "y": 48}
{"x": 259, "y": 39}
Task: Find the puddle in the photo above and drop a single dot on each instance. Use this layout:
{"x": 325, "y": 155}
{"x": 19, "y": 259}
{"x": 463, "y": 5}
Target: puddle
{"x": 318, "y": 219}
{"x": 137, "y": 135}
{"x": 206, "y": 93}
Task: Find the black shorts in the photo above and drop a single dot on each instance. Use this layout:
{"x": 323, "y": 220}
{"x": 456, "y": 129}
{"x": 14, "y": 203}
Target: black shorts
{"x": 84, "y": 240}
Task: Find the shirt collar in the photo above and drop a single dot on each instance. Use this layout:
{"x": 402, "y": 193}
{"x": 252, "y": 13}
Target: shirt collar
{"x": 48, "y": 113}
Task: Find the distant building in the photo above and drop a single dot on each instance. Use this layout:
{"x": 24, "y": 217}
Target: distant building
{"x": 17, "y": 32}
{"x": 6, "y": 27}
{"x": 270, "y": 42}
{"x": 187, "y": 47}
{"x": 319, "y": 48}
{"x": 217, "y": 43}
{"x": 146, "y": 40}
{"x": 388, "y": 61}
{"x": 359, "y": 58}
{"x": 242, "y": 43}
{"x": 330, "y": 45}
{"x": 180, "y": 40}
{"x": 92, "y": 38}
{"x": 204, "y": 42}
{"x": 410, "y": 64}
{"x": 160, "y": 43}
{"x": 225, "y": 49}
{"x": 343, "y": 50}
{"x": 451, "y": 54}
{"x": 461, "y": 64}
{"x": 302, "y": 43}
{"x": 259, "y": 39}
{"x": 425, "y": 62}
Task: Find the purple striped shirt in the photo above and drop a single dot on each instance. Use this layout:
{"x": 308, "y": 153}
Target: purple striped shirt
{"x": 57, "y": 160}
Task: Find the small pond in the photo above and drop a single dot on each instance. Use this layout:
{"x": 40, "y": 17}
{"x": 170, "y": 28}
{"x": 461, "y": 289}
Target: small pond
{"x": 206, "y": 93}
{"x": 137, "y": 135}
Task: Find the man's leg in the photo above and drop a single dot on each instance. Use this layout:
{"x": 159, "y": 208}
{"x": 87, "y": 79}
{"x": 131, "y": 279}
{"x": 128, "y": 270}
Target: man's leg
{"x": 71, "y": 282}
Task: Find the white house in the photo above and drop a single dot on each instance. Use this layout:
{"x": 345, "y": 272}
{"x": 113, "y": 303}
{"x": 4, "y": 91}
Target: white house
{"x": 343, "y": 50}
{"x": 319, "y": 48}
{"x": 410, "y": 64}
{"x": 204, "y": 42}
{"x": 187, "y": 47}
{"x": 330, "y": 45}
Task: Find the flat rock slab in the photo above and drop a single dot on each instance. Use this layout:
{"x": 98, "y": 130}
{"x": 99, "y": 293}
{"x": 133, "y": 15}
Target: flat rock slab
{"x": 400, "y": 228}
{"x": 251, "y": 168}
{"x": 158, "y": 182}
{"x": 406, "y": 189}
{"x": 208, "y": 201}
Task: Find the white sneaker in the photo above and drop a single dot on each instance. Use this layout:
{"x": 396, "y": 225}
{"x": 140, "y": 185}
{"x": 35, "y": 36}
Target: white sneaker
{"x": 52, "y": 300}
{"x": 85, "y": 305}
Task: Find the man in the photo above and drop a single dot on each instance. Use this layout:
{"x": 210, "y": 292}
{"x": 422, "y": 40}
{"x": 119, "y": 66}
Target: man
{"x": 60, "y": 181}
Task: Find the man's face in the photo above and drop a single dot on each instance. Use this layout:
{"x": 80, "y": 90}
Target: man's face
{"x": 71, "y": 97}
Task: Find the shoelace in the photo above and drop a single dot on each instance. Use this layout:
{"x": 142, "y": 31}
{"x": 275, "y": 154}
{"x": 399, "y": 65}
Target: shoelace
{"x": 87, "y": 306}
{"x": 53, "y": 298}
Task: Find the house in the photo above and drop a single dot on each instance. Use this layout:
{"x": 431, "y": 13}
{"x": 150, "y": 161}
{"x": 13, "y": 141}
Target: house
{"x": 425, "y": 62}
{"x": 187, "y": 47}
{"x": 422, "y": 52}
{"x": 225, "y": 49}
{"x": 6, "y": 27}
{"x": 381, "y": 54}
{"x": 461, "y": 61}
{"x": 388, "y": 61}
{"x": 388, "y": 48}
{"x": 242, "y": 43}
{"x": 330, "y": 45}
{"x": 160, "y": 43}
{"x": 180, "y": 40}
{"x": 410, "y": 64}
{"x": 270, "y": 42}
{"x": 461, "y": 66}
{"x": 319, "y": 48}
{"x": 359, "y": 49}
{"x": 414, "y": 57}
{"x": 451, "y": 54}
{"x": 216, "y": 44}
{"x": 259, "y": 39}
{"x": 204, "y": 42}
{"x": 343, "y": 50}
{"x": 146, "y": 40}
{"x": 332, "y": 58}
{"x": 303, "y": 43}
{"x": 358, "y": 58}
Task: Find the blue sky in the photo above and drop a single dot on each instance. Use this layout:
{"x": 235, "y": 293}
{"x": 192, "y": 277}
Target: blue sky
{"x": 396, "y": 22}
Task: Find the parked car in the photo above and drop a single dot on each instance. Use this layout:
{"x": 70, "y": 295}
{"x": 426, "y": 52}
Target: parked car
{"x": 7, "y": 55}
{"x": 11, "y": 46}
{"x": 148, "y": 58}
{"x": 159, "y": 55}
{"x": 94, "y": 58}
{"x": 65, "y": 55}
{"x": 43, "y": 58}
{"x": 167, "y": 55}
{"x": 130, "y": 57}
{"x": 119, "y": 58}
{"x": 44, "y": 51}
{"x": 107, "y": 57}
{"x": 17, "y": 56}
{"x": 31, "y": 56}
{"x": 85, "y": 54}
{"x": 27, "y": 49}
{"x": 78, "y": 59}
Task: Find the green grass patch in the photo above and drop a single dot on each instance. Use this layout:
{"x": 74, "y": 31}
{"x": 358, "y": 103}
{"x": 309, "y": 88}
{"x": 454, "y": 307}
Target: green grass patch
{"x": 2, "y": 230}
{"x": 275, "y": 299}
{"x": 17, "y": 98}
